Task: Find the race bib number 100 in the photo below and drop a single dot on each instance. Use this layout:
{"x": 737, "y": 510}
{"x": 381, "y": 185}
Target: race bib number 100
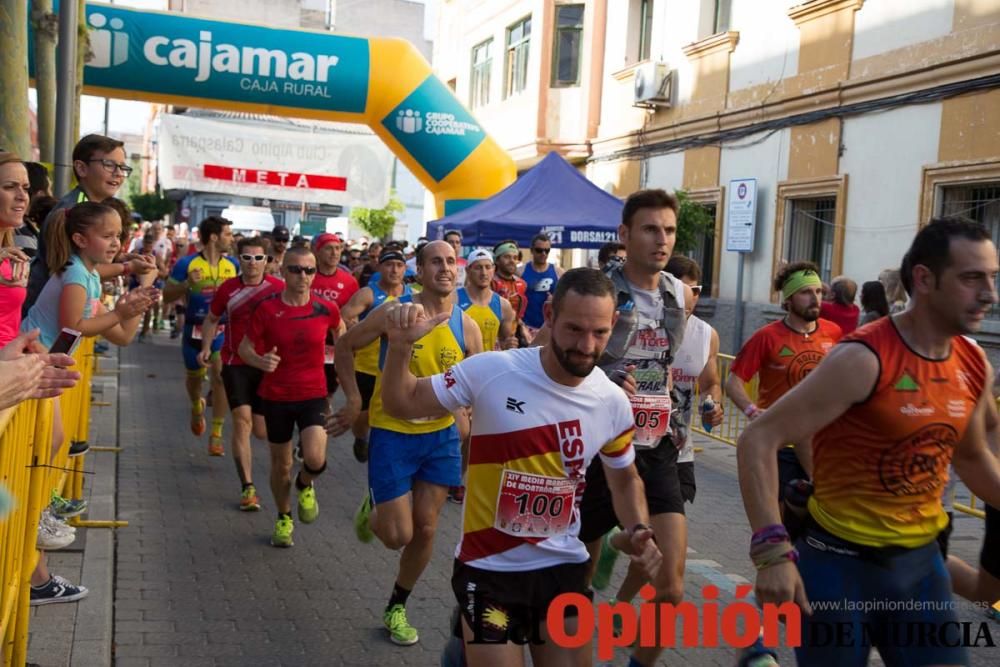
{"x": 533, "y": 505}
{"x": 652, "y": 419}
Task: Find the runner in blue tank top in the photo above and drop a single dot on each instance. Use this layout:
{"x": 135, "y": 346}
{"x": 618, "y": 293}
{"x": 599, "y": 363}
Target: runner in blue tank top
{"x": 541, "y": 278}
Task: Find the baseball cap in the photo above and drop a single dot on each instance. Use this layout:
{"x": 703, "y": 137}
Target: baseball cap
{"x": 325, "y": 239}
{"x": 280, "y": 234}
{"x": 478, "y": 254}
{"x": 388, "y": 255}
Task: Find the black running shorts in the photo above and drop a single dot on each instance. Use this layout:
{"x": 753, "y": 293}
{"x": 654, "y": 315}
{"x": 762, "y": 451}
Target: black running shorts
{"x": 658, "y": 469}
{"x": 241, "y": 382}
{"x": 366, "y": 385}
{"x": 281, "y": 418}
{"x": 989, "y": 559}
{"x": 522, "y": 598}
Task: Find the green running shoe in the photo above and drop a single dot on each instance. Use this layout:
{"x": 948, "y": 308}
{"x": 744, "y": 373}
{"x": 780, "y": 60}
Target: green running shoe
{"x": 308, "y": 507}
{"x": 361, "y": 527}
{"x": 605, "y": 562}
{"x": 401, "y": 632}
{"x": 282, "y": 535}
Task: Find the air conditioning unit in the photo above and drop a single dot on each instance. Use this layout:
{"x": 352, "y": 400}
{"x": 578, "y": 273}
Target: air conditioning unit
{"x": 653, "y": 85}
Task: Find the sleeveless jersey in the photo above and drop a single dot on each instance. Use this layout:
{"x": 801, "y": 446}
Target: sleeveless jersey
{"x": 435, "y": 353}
{"x": 366, "y": 359}
{"x": 781, "y": 357}
{"x": 488, "y": 318}
{"x": 880, "y": 468}
{"x": 688, "y": 364}
{"x": 540, "y": 285}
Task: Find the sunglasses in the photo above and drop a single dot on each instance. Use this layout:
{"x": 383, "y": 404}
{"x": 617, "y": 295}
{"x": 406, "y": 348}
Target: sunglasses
{"x": 299, "y": 270}
{"x": 253, "y": 258}
{"x": 110, "y": 166}
{"x": 544, "y": 251}
{"x": 696, "y": 290}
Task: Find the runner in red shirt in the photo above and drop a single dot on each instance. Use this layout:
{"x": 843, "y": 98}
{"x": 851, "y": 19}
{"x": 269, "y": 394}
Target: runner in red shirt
{"x": 286, "y": 340}
{"x": 334, "y": 283}
{"x": 234, "y": 303}
{"x": 781, "y": 354}
{"x": 509, "y": 285}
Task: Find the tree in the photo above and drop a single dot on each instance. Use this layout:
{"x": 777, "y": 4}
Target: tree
{"x": 693, "y": 222}
{"x": 83, "y": 56}
{"x": 152, "y": 205}
{"x": 46, "y": 27}
{"x": 15, "y": 132}
{"x": 378, "y": 222}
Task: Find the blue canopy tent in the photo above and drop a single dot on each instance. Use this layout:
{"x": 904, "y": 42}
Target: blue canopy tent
{"x": 551, "y": 197}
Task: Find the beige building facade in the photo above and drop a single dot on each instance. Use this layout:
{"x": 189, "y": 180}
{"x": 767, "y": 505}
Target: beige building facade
{"x": 859, "y": 119}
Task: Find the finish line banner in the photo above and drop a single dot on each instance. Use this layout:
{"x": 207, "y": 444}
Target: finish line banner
{"x": 347, "y": 169}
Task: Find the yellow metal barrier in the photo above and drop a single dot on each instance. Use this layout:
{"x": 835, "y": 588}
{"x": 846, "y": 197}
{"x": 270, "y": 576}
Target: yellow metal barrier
{"x": 26, "y": 471}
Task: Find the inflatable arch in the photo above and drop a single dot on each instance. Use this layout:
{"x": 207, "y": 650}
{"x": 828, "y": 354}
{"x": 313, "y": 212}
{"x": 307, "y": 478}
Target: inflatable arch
{"x": 383, "y": 83}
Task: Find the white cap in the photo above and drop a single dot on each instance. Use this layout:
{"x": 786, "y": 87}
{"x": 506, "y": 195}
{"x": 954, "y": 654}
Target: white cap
{"x": 478, "y": 254}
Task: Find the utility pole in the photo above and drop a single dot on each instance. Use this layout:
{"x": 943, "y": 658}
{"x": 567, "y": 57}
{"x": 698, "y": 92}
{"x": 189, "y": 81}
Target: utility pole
{"x": 65, "y": 102}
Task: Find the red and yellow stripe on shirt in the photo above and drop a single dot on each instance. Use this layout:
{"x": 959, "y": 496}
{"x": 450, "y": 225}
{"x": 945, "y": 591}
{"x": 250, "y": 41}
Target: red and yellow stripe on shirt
{"x": 879, "y": 470}
{"x": 534, "y": 450}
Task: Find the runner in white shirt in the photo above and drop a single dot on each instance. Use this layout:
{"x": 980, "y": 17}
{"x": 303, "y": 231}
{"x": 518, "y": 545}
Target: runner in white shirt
{"x": 530, "y": 449}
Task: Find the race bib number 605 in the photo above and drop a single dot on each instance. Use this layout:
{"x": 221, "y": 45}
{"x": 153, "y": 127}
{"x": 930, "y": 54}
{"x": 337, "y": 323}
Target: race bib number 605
{"x": 652, "y": 419}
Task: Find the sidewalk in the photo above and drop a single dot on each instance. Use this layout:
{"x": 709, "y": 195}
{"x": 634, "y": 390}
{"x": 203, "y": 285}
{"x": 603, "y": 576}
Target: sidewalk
{"x": 80, "y": 633}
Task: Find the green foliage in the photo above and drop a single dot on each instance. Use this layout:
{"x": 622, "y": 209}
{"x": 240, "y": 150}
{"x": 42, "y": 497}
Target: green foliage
{"x": 378, "y": 222}
{"x": 693, "y": 222}
{"x": 152, "y": 205}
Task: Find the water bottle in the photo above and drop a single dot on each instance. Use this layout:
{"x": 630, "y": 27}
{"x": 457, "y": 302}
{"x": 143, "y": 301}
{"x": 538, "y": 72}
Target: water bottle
{"x": 707, "y": 406}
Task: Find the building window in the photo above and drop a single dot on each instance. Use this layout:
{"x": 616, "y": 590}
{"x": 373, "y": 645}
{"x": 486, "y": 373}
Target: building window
{"x": 979, "y": 202}
{"x": 568, "y": 45}
{"x": 518, "y": 45}
{"x": 704, "y": 254}
{"x": 482, "y": 63}
{"x": 810, "y": 233}
{"x": 645, "y": 29}
{"x": 279, "y": 218}
{"x": 722, "y": 10}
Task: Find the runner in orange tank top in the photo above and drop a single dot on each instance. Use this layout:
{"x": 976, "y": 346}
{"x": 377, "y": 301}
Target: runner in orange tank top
{"x": 887, "y": 411}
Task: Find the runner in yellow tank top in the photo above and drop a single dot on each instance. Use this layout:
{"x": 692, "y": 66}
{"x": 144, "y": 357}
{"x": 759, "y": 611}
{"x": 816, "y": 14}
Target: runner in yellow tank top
{"x": 491, "y": 312}
{"x": 392, "y": 267}
{"x": 418, "y": 458}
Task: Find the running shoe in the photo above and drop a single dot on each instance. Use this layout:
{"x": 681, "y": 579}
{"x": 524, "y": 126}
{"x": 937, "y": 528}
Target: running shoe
{"x": 361, "y": 450}
{"x": 249, "y": 501}
{"x": 56, "y": 590}
{"x": 65, "y": 508}
{"x": 456, "y": 494}
{"x": 51, "y": 538}
{"x": 308, "y": 506}
{"x": 54, "y": 523}
{"x": 361, "y": 527}
{"x": 282, "y": 535}
{"x": 606, "y": 562}
{"x": 198, "y": 418}
{"x": 78, "y": 448}
{"x": 401, "y": 632}
{"x": 758, "y": 655}
{"x": 215, "y": 446}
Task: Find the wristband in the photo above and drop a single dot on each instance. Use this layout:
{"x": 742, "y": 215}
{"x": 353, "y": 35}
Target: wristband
{"x": 126, "y": 269}
{"x": 637, "y": 527}
{"x": 774, "y": 554}
{"x": 751, "y": 410}
{"x": 770, "y": 534}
